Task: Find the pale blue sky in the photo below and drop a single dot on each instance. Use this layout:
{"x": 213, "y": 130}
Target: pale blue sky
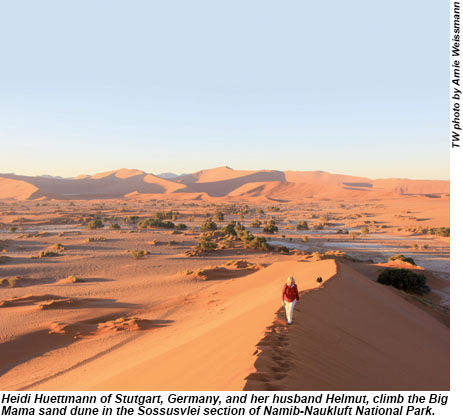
{"x": 354, "y": 87}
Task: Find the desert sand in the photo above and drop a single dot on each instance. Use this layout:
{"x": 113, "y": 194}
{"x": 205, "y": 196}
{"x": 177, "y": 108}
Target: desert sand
{"x": 139, "y": 308}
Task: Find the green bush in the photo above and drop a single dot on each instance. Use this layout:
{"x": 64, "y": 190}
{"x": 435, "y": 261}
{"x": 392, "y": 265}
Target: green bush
{"x": 208, "y": 225}
{"x": 283, "y": 249}
{"x": 95, "y": 224}
{"x": 404, "y": 279}
{"x": 257, "y": 243}
{"x": 401, "y": 257}
{"x": 155, "y": 223}
{"x": 205, "y": 244}
{"x": 441, "y": 232}
{"x": 302, "y": 226}
{"x": 271, "y": 227}
{"x": 163, "y": 215}
{"x": 115, "y": 226}
{"x": 218, "y": 216}
{"x": 232, "y": 228}
{"x": 181, "y": 227}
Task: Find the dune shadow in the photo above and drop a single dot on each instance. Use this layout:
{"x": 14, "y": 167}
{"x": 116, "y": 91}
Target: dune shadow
{"x": 29, "y": 346}
{"x": 274, "y": 360}
{"x": 38, "y": 343}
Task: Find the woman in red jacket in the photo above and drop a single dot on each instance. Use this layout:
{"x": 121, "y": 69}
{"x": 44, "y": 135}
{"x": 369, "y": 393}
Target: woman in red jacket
{"x": 290, "y": 295}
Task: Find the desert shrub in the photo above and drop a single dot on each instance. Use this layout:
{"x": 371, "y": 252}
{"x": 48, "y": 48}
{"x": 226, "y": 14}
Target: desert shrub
{"x": 318, "y": 226}
{"x": 258, "y": 243}
{"x": 441, "y": 232}
{"x": 46, "y": 253}
{"x": 401, "y": 257}
{"x": 304, "y": 239}
{"x": 13, "y": 229}
{"x": 115, "y": 226}
{"x": 133, "y": 219}
{"x": 74, "y": 279}
{"x": 273, "y": 208}
{"x": 270, "y": 227}
{"x": 232, "y": 228}
{"x": 364, "y": 230}
{"x": 155, "y": 223}
{"x": 172, "y": 243}
{"x": 302, "y": 226}
{"x": 95, "y": 239}
{"x": 95, "y": 224}
{"x": 425, "y": 246}
{"x": 206, "y": 244}
{"x": 415, "y": 246}
{"x": 283, "y": 249}
{"x": 163, "y": 215}
{"x": 219, "y": 216}
{"x": 256, "y": 224}
{"x": 227, "y": 243}
{"x": 138, "y": 253}
{"x": 404, "y": 279}
{"x": 208, "y": 225}
{"x": 181, "y": 227}
{"x": 155, "y": 241}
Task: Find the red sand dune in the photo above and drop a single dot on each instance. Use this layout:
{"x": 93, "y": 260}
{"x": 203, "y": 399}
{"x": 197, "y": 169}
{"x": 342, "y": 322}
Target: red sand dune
{"x": 262, "y": 185}
{"x": 350, "y": 334}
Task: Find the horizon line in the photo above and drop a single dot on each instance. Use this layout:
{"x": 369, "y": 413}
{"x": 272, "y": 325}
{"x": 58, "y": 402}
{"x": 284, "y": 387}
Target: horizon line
{"x": 215, "y": 168}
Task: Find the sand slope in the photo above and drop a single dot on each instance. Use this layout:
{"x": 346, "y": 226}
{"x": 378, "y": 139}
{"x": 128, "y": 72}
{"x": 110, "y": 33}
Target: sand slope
{"x": 221, "y": 182}
{"x": 354, "y": 334}
{"x": 350, "y": 334}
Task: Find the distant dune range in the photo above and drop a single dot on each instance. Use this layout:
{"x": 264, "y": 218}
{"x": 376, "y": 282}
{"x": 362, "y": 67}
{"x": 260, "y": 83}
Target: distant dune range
{"x": 216, "y": 184}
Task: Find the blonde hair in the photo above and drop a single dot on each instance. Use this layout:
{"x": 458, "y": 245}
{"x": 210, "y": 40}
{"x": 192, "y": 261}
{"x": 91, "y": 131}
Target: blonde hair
{"x": 290, "y": 280}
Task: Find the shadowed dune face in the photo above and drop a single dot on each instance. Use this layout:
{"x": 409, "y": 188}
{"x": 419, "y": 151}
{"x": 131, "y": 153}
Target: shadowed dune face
{"x": 217, "y": 183}
{"x": 353, "y": 334}
{"x": 113, "y": 184}
{"x": 222, "y": 188}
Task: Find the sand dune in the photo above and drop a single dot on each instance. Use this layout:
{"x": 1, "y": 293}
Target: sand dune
{"x": 350, "y": 334}
{"x": 260, "y": 185}
{"x": 16, "y": 189}
{"x": 354, "y": 334}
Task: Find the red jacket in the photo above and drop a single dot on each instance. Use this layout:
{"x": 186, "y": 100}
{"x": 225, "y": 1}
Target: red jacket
{"x": 290, "y": 293}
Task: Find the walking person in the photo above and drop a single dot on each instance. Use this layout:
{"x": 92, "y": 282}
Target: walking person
{"x": 290, "y": 295}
